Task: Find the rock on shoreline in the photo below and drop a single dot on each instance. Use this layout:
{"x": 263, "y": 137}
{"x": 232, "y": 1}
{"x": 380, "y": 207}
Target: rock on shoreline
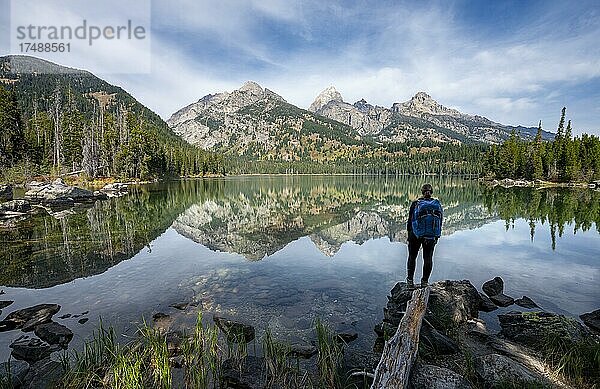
{"x": 452, "y": 337}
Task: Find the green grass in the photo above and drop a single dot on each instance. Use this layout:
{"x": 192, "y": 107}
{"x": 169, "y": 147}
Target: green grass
{"x": 144, "y": 361}
{"x": 88, "y": 367}
{"x": 330, "y": 352}
{"x": 579, "y": 361}
{"x": 202, "y": 355}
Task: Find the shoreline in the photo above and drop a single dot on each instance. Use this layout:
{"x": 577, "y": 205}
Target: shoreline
{"x": 454, "y": 346}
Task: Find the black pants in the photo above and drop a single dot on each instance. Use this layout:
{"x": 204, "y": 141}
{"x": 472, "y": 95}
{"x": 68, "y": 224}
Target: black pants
{"x": 414, "y": 244}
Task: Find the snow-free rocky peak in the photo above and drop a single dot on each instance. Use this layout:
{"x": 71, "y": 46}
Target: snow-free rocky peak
{"x": 423, "y": 103}
{"x": 328, "y": 95}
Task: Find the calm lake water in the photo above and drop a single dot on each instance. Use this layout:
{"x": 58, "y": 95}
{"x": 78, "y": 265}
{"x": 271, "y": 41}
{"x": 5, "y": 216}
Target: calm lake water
{"x": 280, "y": 252}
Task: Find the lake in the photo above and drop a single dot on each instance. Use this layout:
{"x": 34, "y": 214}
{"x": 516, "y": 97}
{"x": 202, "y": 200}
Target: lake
{"x": 281, "y": 251}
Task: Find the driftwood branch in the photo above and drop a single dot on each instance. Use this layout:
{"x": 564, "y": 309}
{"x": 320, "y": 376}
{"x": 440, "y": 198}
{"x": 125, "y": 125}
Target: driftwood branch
{"x": 399, "y": 352}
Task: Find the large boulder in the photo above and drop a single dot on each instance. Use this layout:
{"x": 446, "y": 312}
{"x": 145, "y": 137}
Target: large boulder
{"x": 59, "y": 193}
{"x": 235, "y": 331}
{"x": 592, "y": 319}
{"x": 6, "y": 192}
{"x": 496, "y": 369}
{"x": 493, "y": 287}
{"x": 54, "y": 333}
{"x": 28, "y": 318}
{"x": 452, "y": 303}
{"x": 535, "y": 328}
{"x": 435, "y": 377}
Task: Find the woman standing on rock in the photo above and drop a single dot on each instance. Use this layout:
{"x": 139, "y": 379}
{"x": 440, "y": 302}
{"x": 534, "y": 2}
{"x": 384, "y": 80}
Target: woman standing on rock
{"x": 424, "y": 227}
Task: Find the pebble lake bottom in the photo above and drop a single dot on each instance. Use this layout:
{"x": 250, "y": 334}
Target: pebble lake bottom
{"x": 280, "y": 252}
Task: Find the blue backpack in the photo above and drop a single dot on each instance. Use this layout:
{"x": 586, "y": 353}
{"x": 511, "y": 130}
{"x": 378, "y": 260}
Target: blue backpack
{"x": 427, "y": 219}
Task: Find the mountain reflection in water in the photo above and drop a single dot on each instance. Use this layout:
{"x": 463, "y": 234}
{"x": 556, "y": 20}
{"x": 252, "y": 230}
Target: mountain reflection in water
{"x": 258, "y": 216}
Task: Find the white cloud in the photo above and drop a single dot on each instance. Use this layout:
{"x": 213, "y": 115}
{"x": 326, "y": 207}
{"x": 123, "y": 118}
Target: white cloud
{"x": 383, "y": 54}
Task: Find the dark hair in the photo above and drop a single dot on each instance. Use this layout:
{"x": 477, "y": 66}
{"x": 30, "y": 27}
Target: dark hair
{"x": 426, "y": 188}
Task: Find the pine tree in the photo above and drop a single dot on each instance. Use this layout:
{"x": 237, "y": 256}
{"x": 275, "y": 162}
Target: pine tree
{"x": 12, "y": 135}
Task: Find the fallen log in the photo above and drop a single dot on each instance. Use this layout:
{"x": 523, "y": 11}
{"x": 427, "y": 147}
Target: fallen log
{"x": 400, "y": 351}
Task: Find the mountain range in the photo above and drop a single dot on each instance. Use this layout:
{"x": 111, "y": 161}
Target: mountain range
{"x": 253, "y": 120}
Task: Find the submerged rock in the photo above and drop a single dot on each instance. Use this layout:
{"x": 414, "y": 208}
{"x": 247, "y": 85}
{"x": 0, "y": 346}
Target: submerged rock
{"x": 502, "y": 300}
{"x": 54, "y": 333}
{"x": 592, "y": 319}
{"x": 495, "y": 369}
{"x": 526, "y": 302}
{"x": 493, "y": 287}
{"x": 346, "y": 337}
{"x": 174, "y": 342}
{"x": 28, "y": 318}
{"x": 302, "y": 350}
{"x": 235, "y": 331}
{"x": 251, "y": 375}
{"x": 535, "y": 328}
{"x": 435, "y": 377}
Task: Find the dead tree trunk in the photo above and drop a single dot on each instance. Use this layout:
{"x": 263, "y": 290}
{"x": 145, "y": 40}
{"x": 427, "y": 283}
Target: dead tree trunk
{"x": 399, "y": 352}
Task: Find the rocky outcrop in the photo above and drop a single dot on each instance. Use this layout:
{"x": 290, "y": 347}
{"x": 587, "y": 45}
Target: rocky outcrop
{"x": 422, "y": 103}
{"x": 363, "y": 117}
{"x": 473, "y": 356}
{"x": 59, "y": 193}
{"x": 327, "y": 96}
{"x": 451, "y": 303}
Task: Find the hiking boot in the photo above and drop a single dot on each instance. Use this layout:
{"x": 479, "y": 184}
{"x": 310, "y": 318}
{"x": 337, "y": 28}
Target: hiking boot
{"x": 410, "y": 283}
{"x": 424, "y": 284}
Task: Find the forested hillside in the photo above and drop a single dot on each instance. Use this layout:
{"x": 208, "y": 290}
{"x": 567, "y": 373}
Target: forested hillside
{"x": 59, "y": 120}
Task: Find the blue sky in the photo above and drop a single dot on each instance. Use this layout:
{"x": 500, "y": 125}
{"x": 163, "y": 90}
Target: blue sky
{"x": 515, "y": 62}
